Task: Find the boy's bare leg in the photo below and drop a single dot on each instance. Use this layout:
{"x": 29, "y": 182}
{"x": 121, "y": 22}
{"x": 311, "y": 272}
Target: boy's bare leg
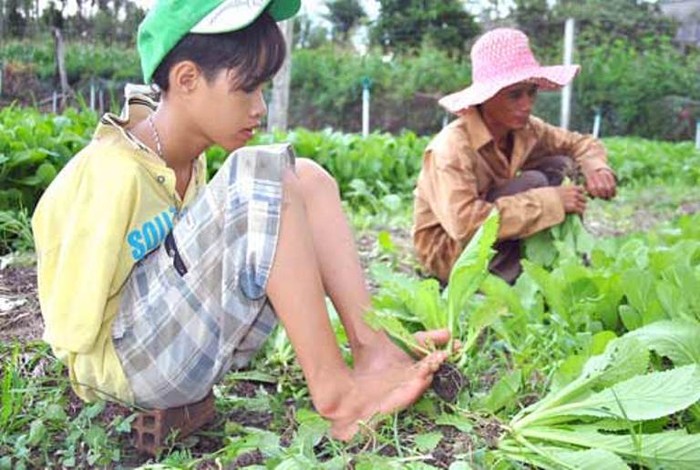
{"x": 296, "y": 291}
{"x": 341, "y": 272}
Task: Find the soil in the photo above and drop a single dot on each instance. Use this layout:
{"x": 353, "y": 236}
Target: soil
{"x": 20, "y": 317}
{"x": 448, "y": 382}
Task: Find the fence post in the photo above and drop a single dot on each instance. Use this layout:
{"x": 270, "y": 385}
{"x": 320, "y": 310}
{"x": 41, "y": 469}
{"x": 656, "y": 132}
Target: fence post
{"x": 278, "y": 117}
{"x": 566, "y": 91}
{"x": 697, "y": 134}
{"x": 92, "y": 94}
{"x": 2, "y": 71}
{"x": 596, "y": 123}
{"x": 366, "y": 85}
{"x": 60, "y": 54}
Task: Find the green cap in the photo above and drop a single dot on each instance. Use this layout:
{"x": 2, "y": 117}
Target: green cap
{"x": 170, "y": 20}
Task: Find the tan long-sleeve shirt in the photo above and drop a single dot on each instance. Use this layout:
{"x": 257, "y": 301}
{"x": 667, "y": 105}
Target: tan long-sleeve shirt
{"x": 463, "y": 163}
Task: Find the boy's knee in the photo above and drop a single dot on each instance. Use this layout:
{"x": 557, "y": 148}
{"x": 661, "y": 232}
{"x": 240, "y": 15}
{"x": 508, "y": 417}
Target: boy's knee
{"x": 314, "y": 178}
{"x": 291, "y": 184}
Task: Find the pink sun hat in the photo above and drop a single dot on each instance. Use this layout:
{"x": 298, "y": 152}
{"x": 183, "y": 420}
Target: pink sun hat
{"x": 500, "y": 58}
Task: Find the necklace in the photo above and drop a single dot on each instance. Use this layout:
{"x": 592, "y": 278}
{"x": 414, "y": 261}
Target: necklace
{"x": 156, "y": 137}
{"x": 159, "y": 151}
{"x": 161, "y": 179}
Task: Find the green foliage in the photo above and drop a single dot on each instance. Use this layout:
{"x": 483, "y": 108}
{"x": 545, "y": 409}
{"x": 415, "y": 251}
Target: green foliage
{"x": 15, "y": 232}
{"x": 469, "y": 272}
{"x": 327, "y": 84}
{"x": 610, "y": 402}
{"x": 33, "y": 148}
{"x": 675, "y": 339}
{"x": 82, "y": 60}
{"x": 567, "y": 239}
{"x": 34, "y": 420}
{"x": 28, "y": 19}
{"x": 404, "y": 26}
{"x": 423, "y": 305}
{"x": 644, "y": 162}
{"x": 344, "y": 15}
{"x": 610, "y": 385}
{"x": 610, "y": 81}
{"x": 308, "y": 33}
{"x": 598, "y": 22}
{"x": 327, "y": 77}
{"x": 368, "y": 170}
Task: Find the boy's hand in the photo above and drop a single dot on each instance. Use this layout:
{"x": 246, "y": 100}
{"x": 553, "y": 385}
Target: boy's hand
{"x": 573, "y": 198}
{"x": 601, "y": 183}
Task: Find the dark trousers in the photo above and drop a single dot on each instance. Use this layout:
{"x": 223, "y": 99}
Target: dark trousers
{"x": 551, "y": 172}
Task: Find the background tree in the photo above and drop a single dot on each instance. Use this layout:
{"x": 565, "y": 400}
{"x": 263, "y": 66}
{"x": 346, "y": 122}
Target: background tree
{"x": 52, "y": 16}
{"x": 308, "y": 34}
{"x": 404, "y": 25}
{"x": 133, "y": 15}
{"x": 344, "y": 15}
{"x": 17, "y": 20}
{"x": 538, "y": 21}
{"x": 599, "y": 22}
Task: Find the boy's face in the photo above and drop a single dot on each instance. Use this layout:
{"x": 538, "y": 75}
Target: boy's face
{"x": 510, "y": 108}
{"x": 228, "y": 117}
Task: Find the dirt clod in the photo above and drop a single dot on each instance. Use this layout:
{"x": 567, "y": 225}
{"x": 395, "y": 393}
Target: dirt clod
{"x": 448, "y": 382}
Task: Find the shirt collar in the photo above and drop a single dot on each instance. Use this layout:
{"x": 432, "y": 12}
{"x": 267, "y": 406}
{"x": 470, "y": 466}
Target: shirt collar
{"x": 475, "y": 127}
{"x": 139, "y": 105}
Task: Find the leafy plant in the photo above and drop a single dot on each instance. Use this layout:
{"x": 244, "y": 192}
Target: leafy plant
{"x": 601, "y": 415}
{"x": 15, "y": 232}
{"x": 566, "y": 240}
{"x": 430, "y": 309}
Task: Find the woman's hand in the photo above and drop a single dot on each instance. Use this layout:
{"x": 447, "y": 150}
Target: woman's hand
{"x": 601, "y": 183}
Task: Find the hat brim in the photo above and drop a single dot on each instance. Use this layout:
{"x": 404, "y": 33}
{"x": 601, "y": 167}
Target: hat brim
{"x": 234, "y": 15}
{"x": 551, "y": 77}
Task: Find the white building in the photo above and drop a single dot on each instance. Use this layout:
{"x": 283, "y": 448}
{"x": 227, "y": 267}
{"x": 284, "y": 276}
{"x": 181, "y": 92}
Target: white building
{"x": 687, "y": 13}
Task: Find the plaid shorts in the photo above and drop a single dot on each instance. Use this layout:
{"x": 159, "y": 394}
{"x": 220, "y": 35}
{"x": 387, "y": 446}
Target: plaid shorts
{"x": 196, "y": 306}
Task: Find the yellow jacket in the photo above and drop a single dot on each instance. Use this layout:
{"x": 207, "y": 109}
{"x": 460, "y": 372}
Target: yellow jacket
{"x": 110, "y": 205}
{"x": 462, "y": 164}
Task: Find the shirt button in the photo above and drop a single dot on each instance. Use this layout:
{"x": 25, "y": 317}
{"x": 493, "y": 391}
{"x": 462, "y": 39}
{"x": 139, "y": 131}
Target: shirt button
{"x": 160, "y": 179}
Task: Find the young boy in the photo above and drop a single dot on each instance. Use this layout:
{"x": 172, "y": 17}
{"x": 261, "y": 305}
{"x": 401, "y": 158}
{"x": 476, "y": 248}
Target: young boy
{"x": 154, "y": 284}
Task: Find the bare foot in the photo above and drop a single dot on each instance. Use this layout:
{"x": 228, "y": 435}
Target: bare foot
{"x": 383, "y": 353}
{"x": 386, "y": 391}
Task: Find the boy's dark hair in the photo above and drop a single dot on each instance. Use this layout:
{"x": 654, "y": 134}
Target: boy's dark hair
{"x": 256, "y": 52}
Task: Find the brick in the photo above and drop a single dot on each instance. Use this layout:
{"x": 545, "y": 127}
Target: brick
{"x": 151, "y": 428}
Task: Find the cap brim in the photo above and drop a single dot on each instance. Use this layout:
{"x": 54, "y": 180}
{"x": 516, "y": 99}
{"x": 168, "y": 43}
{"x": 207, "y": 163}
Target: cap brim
{"x": 547, "y": 78}
{"x": 234, "y": 15}
{"x": 282, "y": 10}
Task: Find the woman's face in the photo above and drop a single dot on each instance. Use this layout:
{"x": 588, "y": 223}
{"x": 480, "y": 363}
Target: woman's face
{"x": 510, "y": 108}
